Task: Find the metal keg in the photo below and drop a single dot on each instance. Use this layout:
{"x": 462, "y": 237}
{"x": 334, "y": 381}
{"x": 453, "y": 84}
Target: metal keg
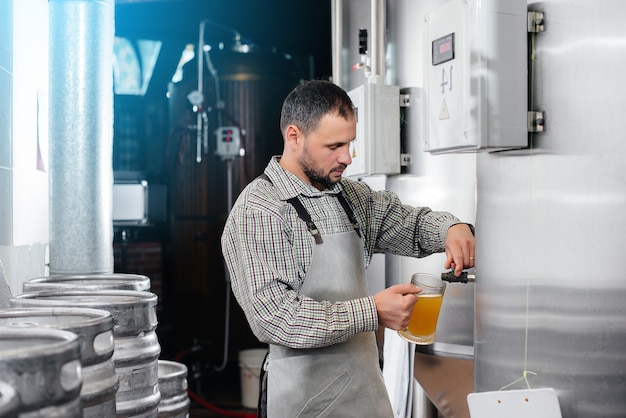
{"x": 94, "y": 329}
{"x": 43, "y": 367}
{"x": 9, "y": 402}
{"x": 173, "y": 387}
{"x": 118, "y": 281}
{"x": 136, "y": 344}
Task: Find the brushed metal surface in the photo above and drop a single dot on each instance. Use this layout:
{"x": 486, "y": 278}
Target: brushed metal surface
{"x": 550, "y": 295}
{"x": 445, "y": 372}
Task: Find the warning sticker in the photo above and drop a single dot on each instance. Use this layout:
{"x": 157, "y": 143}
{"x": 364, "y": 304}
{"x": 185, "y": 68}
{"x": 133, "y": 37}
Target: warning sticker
{"x": 443, "y": 113}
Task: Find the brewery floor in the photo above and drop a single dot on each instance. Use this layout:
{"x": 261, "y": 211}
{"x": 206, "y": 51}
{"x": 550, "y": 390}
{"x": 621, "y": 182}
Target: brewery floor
{"x": 229, "y": 401}
{"x": 222, "y": 392}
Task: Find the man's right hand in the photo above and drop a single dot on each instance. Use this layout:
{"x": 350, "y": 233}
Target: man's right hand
{"x": 395, "y": 305}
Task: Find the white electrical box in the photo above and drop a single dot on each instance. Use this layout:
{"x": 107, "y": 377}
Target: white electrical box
{"x": 475, "y": 76}
{"x": 228, "y": 142}
{"x": 376, "y": 148}
{"x": 130, "y": 203}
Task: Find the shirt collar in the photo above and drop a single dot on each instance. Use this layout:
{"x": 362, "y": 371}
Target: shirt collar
{"x": 289, "y": 185}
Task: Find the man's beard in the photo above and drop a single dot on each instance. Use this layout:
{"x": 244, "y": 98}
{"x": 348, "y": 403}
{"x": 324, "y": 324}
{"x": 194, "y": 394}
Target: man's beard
{"x": 315, "y": 175}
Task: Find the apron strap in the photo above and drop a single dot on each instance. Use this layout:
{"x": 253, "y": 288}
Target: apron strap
{"x": 306, "y": 217}
{"x": 302, "y": 213}
{"x": 350, "y": 213}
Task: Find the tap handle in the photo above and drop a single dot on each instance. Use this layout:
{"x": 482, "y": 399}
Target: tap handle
{"x": 465, "y": 277}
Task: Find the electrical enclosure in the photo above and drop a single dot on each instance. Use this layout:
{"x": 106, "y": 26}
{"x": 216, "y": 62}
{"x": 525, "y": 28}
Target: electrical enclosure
{"x": 130, "y": 203}
{"x": 228, "y": 142}
{"x": 376, "y": 148}
{"x": 475, "y": 76}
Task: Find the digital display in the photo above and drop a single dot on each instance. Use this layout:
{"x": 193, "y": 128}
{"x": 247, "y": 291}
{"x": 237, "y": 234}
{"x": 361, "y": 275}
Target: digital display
{"x": 443, "y": 49}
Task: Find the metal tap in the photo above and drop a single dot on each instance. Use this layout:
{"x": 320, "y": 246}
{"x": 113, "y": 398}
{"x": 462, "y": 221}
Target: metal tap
{"x": 463, "y": 278}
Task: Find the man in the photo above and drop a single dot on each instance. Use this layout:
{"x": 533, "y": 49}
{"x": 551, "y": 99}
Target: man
{"x": 296, "y": 245}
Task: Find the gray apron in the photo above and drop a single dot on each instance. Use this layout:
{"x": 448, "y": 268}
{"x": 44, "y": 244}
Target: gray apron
{"x": 342, "y": 380}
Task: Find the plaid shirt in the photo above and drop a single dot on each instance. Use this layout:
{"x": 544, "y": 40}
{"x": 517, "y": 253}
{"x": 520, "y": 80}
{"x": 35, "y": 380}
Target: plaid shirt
{"x": 268, "y": 249}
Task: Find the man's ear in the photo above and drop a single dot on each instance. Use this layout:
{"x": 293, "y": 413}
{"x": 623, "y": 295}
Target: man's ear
{"x": 293, "y": 136}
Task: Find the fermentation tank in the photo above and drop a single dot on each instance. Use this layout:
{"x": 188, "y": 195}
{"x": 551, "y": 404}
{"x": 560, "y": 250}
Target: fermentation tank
{"x": 550, "y": 295}
{"x": 243, "y": 86}
{"x": 245, "y": 90}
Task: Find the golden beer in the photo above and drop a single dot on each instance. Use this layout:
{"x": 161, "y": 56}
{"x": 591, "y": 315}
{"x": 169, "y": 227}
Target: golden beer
{"x": 423, "y": 322}
{"x": 425, "y": 314}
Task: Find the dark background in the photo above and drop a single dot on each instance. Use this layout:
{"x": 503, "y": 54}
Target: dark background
{"x": 292, "y": 26}
{"x": 154, "y": 140}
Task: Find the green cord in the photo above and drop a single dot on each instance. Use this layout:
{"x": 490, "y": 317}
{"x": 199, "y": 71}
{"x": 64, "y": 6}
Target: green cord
{"x": 526, "y": 372}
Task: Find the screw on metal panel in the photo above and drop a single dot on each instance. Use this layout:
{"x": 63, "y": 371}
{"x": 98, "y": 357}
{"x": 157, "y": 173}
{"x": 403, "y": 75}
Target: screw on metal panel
{"x": 536, "y": 121}
{"x": 405, "y": 100}
{"x": 405, "y": 160}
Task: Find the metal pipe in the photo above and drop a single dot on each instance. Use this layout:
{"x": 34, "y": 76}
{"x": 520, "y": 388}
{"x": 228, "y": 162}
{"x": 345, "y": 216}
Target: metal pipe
{"x": 337, "y": 40}
{"x": 5, "y": 290}
{"x": 81, "y": 136}
{"x": 218, "y": 95}
{"x": 199, "y": 110}
{"x": 229, "y": 200}
{"x": 378, "y": 19}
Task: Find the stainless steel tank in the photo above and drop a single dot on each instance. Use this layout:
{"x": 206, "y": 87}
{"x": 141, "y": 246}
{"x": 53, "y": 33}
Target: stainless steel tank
{"x": 550, "y": 295}
{"x": 252, "y": 86}
{"x": 245, "y": 90}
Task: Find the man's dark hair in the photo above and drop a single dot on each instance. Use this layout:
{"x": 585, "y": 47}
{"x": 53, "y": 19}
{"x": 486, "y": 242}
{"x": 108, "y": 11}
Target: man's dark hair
{"x": 305, "y": 106}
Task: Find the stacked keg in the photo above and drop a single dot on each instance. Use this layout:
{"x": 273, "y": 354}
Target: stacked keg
{"x": 173, "y": 387}
{"x": 42, "y": 367}
{"x": 136, "y": 347}
{"x": 130, "y": 307}
{"x": 114, "y": 281}
{"x": 94, "y": 331}
{"x": 9, "y": 402}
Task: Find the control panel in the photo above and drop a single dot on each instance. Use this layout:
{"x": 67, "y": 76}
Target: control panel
{"x": 475, "y": 76}
{"x": 228, "y": 142}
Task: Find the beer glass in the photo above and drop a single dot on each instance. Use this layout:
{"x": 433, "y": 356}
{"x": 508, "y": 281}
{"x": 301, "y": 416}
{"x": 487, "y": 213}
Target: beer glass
{"x": 423, "y": 323}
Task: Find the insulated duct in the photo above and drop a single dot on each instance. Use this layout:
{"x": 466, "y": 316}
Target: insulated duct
{"x": 81, "y": 136}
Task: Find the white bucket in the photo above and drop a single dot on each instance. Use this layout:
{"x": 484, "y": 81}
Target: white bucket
{"x": 250, "y": 364}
